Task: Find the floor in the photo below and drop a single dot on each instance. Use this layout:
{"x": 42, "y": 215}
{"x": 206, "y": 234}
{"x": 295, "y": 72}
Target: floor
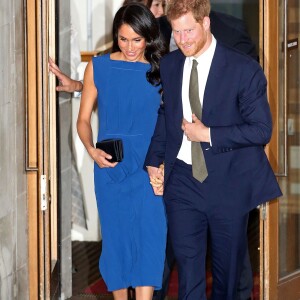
{"x": 85, "y": 257}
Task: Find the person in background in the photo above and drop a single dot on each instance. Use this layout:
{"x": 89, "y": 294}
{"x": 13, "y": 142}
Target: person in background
{"x": 210, "y": 134}
{"x": 157, "y": 7}
{"x": 66, "y": 84}
{"x": 126, "y": 86}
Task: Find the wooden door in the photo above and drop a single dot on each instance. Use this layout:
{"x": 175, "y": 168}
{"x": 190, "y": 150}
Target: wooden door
{"x": 41, "y": 149}
{"x": 281, "y": 227}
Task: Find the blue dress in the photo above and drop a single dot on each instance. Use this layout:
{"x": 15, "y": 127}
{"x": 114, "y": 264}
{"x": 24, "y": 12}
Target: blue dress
{"x": 133, "y": 222}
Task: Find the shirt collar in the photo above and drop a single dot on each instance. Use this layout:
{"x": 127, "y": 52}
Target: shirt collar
{"x": 207, "y": 55}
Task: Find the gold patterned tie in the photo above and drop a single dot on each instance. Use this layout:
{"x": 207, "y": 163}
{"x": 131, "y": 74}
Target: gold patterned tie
{"x": 198, "y": 161}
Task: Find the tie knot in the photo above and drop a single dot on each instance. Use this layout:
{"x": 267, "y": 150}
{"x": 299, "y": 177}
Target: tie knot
{"x": 195, "y": 64}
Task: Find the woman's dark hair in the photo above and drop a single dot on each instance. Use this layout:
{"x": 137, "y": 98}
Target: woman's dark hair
{"x": 142, "y": 21}
{"x": 126, "y": 2}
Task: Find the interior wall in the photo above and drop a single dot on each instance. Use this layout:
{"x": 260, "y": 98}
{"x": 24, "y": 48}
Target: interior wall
{"x": 13, "y": 184}
{"x": 98, "y": 23}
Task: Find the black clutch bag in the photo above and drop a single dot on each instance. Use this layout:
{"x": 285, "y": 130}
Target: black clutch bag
{"x": 114, "y": 147}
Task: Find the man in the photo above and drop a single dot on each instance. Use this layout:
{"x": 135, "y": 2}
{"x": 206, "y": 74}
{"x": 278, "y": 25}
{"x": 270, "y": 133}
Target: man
{"x": 226, "y": 29}
{"x": 233, "y": 33}
{"x": 228, "y": 135}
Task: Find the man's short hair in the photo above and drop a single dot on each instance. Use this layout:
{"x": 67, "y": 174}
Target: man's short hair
{"x": 178, "y": 8}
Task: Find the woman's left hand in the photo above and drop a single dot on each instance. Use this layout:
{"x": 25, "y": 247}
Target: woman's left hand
{"x": 101, "y": 158}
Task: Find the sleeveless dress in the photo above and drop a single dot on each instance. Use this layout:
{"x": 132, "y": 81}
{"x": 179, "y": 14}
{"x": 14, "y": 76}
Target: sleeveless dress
{"x": 133, "y": 222}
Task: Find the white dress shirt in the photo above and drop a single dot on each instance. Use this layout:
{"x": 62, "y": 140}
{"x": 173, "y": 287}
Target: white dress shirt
{"x": 204, "y": 63}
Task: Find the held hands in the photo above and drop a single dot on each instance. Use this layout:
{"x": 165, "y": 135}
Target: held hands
{"x": 101, "y": 158}
{"x": 66, "y": 84}
{"x": 156, "y": 176}
{"x": 195, "y": 131}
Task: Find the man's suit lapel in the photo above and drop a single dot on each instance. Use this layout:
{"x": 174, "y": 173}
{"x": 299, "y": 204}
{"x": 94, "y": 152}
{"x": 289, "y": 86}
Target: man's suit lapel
{"x": 214, "y": 76}
{"x": 177, "y": 103}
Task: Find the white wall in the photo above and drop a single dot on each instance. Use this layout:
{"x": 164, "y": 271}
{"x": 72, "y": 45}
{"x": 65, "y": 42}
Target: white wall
{"x": 103, "y": 12}
{"x": 101, "y": 20}
{"x": 85, "y": 167}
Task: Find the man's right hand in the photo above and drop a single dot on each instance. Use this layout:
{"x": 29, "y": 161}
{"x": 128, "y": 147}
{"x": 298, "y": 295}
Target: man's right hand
{"x": 66, "y": 84}
{"x": 156, "y": 176}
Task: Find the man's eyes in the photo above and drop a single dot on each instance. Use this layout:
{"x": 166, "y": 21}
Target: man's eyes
{"x": 186, "y": 31}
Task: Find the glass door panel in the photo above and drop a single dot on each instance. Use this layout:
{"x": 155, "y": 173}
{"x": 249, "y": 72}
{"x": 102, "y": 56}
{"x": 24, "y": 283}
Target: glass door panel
{"x": 246, "y": 10}
{"x": 289, "y": 204}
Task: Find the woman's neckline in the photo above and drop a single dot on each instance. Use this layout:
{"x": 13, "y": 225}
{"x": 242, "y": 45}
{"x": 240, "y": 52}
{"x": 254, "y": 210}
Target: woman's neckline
{"x": 126, "y": 61}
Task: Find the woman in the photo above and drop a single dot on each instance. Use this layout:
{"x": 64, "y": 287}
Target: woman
{"x": 157, "y": 7}
{"x": 126, "y": 84}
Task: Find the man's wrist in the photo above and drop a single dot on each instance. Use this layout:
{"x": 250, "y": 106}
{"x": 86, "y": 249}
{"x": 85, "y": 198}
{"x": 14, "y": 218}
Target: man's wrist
{"x": 79, "y": 86}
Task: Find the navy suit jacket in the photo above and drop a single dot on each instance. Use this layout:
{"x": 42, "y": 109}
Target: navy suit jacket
{"x": 236, "y": 109}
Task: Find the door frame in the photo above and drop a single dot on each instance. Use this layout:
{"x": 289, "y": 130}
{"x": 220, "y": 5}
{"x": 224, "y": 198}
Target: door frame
{"x": 272, "y": 287}
{"x": 269, "y": 212}
{"x": 40, "y": 146}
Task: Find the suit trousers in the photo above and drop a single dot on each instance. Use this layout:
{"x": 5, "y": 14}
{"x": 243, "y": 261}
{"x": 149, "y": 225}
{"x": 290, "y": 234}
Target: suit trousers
{"x": 245, "y": 285}
{"x": 191, "y": 219}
